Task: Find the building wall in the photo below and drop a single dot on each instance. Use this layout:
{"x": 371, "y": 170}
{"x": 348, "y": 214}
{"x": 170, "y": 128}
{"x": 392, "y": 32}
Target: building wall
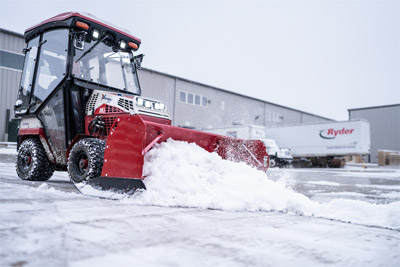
{"x": 11, "y": 45}
{"x": 219, "y": 108}
{"x": 222, "y": 108}
{"x": 277, "y": 115}
{"x": 158, "y": 87}
{"x": 385, "y": 127}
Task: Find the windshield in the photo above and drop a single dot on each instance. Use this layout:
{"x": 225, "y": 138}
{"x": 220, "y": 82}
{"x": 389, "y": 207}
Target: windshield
{"x": 270, "y": 144}
{"x": 107, "y": 66}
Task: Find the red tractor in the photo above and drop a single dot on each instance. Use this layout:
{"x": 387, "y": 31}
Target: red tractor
{"x": 81, "y": 108}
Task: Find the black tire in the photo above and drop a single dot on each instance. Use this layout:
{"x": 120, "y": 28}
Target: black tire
{"x": 272, "y": 162}
{"x": 85, "y": 160}
{"x": 32, "y": 161}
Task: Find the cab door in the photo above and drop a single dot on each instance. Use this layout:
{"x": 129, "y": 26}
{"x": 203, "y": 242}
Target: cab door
{"x": 47, "y": 100}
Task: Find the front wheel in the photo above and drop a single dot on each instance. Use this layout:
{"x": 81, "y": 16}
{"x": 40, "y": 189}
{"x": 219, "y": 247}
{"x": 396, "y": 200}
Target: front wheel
{"x": 85, "y": 160}
{"x": 32, "y": 161}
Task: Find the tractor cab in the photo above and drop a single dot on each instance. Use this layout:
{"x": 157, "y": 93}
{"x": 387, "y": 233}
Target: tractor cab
{"x": 75, "y": 66}
{"x": 80, "y": 49}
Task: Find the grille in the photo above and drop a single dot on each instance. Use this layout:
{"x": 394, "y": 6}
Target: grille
{"x": 126, "y": 104}
{"x": 111, "y": 109}
{"x": 109, "y": 123}
{"x": 92, "y": 102}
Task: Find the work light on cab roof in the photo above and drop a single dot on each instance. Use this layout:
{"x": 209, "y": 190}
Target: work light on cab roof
{"x": 96, "y": 34}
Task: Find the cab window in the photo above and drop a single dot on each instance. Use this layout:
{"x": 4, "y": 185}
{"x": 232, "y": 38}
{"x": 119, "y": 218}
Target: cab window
{"x": 25, "y": 89}
{"x": 52, "y": 64}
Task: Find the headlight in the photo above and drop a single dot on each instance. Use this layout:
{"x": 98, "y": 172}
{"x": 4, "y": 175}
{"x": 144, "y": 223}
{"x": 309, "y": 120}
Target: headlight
{"x": 150, "y": 104}
{"x": 139, "y": 101}
{"x": 95, "y": 34}
{"x": 122, "y": 45}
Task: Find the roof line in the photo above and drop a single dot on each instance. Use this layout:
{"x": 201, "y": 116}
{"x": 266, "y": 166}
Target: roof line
{"x": 383, "y": 106}
{"x": 11, "y": 32}
{"x": 230, "y": 92}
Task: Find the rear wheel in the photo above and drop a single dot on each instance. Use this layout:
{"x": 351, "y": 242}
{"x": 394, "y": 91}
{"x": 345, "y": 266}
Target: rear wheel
{"x": 85, "y": 160}
{"x": 32, "y": 161}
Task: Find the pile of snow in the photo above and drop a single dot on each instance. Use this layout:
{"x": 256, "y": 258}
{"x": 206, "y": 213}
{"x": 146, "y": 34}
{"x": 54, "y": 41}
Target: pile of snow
{"x": 180, "y": 174}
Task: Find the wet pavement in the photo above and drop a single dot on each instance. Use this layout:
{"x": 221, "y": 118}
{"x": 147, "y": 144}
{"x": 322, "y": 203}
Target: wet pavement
{"x": 50, "y": 224}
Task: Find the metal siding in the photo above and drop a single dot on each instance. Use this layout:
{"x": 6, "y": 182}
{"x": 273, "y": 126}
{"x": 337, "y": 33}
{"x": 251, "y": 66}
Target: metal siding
{"x": 11, "y": 42}
{"x": 237, "y": 110}
{"x": 158, "y": 87}
{"x": 9, "y": 79}
{"x": 385, "y": 127}
{"x": 289, "y": 116}
{"x": 305, "y": 118}
{"x": 8, "y": 94}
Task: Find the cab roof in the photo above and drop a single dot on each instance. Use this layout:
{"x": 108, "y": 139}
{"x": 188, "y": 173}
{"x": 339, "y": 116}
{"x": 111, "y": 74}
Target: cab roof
{"x": 68, "y": 19}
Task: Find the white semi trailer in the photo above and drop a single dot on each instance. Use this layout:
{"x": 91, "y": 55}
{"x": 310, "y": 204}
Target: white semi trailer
{"x": 279, "y": 157}
{"x": 324, "y": 143}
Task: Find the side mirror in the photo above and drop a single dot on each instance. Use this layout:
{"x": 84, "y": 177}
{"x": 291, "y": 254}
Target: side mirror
{"x": 137, "y": 60}
{"x": 18, "y": 104}
{"x": 26, "y": 50}
{"x": 79, "y": 41}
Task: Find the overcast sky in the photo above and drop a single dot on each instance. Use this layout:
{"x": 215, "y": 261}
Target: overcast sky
{"x": 320, "y": 56}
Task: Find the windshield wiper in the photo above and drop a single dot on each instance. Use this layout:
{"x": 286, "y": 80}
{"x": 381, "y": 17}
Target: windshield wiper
{"x": 92, "y": 47}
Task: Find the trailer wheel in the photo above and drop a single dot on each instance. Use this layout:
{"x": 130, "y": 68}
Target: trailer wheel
{"x": 272, "y": 162}
{"x": 32, "y": 161}
{"x": 85, "y": 160}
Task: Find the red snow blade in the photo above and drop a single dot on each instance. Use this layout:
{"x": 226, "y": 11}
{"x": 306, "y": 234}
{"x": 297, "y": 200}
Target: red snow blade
{"x": 132, "y": 136}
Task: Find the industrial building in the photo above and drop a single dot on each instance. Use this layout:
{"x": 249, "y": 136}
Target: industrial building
{"x": 11, "y": 63}
{"x": 385, "y": 127}
{"x": 191, "y": 104}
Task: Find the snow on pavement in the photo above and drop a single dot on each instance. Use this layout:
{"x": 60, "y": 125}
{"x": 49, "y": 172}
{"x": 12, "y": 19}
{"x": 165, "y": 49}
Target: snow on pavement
{"x": 234, "y": 216}
{"x": 8, "y": 151}
{"x": 185, "y": 175}
{"x": 47, "y": 227}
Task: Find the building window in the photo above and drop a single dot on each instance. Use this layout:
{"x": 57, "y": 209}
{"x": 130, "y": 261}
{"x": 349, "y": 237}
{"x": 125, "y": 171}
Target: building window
{"x": 204, "y": 101}
{"x": 274, "y": 116}
{"x": 11, "y": 60}
{"x": 190, "y": 98}
{"x": 182, "y": 96}
{"x": 193, "y": 99}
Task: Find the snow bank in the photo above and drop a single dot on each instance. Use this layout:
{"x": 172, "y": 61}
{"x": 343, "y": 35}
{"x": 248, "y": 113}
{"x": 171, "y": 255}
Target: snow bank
{"x": 185, "y": 175}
